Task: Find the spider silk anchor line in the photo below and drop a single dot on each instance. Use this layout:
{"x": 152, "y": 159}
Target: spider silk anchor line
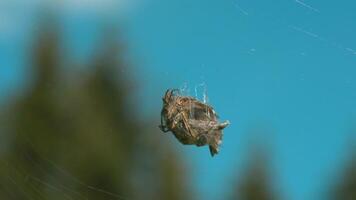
{"x": 192, "y": 122}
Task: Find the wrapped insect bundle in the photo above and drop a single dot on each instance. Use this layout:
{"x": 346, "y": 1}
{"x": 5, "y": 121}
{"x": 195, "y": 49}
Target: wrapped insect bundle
{"x": 192, "y": 122}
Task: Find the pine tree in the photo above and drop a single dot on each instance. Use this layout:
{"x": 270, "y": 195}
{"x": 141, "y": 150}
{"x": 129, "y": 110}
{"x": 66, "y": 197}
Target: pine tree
{"x": 78, "y": 138}
{"x": 345, "y": 187}
{"x": 255, "y": 182}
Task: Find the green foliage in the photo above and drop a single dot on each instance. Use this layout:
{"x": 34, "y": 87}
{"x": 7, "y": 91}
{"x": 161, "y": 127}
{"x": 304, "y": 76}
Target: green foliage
{"x": 345, "y": 187}
{"x": 256, "y": 183}
{"x": 77, "y": 139}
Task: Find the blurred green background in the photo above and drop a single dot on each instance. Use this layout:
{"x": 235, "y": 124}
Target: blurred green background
{"x": 74, "y": 137}
{"x": 85, "y": 130}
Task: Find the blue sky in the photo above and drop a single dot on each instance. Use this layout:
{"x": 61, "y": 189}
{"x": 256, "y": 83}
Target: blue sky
{"x": 287, "y": 68}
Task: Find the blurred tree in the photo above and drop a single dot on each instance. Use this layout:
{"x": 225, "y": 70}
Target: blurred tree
{"x": 78, "y": 139}
{"x": 345, "y": 187}
{"x": 172, "y": 184}
{"x": 36, "y": 116}
{"x": 255, "y": 183}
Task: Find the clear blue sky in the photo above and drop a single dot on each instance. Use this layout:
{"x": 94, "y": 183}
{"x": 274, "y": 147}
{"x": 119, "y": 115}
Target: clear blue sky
{"x": 287, "y": 67}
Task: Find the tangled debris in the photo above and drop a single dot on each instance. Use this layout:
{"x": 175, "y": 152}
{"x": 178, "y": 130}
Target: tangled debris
{"x": 191, "y": 121}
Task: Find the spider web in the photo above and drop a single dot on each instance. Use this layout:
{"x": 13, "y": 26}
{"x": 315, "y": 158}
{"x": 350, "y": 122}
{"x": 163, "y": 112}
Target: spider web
{"x": 200, "y": 94}
{"x": 30, "y": 185}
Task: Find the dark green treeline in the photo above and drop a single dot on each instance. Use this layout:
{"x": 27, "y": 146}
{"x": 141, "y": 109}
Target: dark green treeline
{"x": 76, "y": 137}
